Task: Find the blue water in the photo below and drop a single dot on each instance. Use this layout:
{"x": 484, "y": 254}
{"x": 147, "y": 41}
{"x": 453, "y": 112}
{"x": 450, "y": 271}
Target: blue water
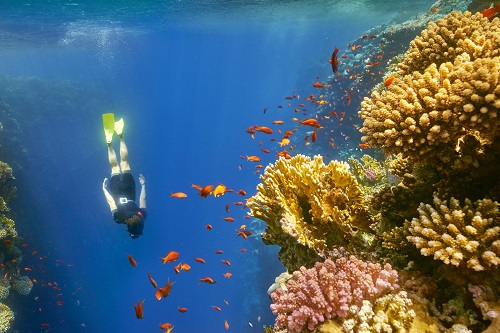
{"x": 188, "y": 77}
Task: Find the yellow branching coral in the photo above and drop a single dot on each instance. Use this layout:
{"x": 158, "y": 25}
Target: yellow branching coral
{"x": 451, "y": 36}
{"x": 457, "y": 234}
{"x": 430, "y": 115}
{"x": 6, "y": 317}
{"x": 316, "y": 204}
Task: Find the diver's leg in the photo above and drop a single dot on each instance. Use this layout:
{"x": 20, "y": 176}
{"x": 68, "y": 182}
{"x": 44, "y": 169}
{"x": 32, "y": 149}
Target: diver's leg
{"x": 123, "y": 155}
{"x": 113, "y": 161}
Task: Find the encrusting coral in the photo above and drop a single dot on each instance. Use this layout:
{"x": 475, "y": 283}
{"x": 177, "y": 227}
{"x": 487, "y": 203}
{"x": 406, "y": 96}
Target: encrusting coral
{"x": 316, "y": 204}
{"x": 467, "y": 235}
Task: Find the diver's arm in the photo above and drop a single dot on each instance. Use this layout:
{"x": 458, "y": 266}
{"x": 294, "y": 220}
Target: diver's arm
{"x": 142, "y": 198}
{"x": 109, "y": 198}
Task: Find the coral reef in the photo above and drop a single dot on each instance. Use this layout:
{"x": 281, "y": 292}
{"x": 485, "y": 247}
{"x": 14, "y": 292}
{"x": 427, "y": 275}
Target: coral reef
{"x": 328, "y": 290}
{"x": 316, "y": 204}
{"x": 6, "y": 317}
{"x": 467, "y": 235}
{"x": 431, "y": 210}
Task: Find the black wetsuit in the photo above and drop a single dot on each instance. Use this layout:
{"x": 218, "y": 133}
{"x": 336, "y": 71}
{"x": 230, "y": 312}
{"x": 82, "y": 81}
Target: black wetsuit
{"x": 122, "y": 188}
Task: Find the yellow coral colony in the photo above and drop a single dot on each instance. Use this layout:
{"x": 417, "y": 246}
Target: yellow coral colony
{"x": 459, "y": 235}
{"x": 316, "y": 204}
{"x": 445, "y": 96}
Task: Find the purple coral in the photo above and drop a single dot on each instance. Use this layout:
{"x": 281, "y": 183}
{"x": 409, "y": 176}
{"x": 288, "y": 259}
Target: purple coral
{"x": 328, "y": 290}
{"x": 370, "y": 174}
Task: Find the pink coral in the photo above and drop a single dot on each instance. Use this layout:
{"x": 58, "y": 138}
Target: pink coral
{"x": 327, "y": 290}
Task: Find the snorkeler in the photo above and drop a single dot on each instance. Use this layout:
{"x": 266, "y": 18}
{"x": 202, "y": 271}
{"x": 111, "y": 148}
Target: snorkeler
{"x": 121, "y": 200}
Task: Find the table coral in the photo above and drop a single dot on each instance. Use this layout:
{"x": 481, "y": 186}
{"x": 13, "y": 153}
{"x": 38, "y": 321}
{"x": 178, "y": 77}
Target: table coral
{"x": 467, "y": 235}
{"x": 317, "y": 204}
{"x": 328, "y": 290}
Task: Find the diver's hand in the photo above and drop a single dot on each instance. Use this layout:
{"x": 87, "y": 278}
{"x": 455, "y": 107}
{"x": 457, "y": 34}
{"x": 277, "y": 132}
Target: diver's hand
{"x": 142, "y": 180}
{"x": 105, "y": 183}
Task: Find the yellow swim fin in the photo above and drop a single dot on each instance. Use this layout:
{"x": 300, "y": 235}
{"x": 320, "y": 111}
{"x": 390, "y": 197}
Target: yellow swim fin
{"x": 119, "y": 127}
{"x": 108, "y": 120}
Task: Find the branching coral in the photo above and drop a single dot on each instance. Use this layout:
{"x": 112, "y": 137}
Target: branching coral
{"x": 432, "y": 116}
{"x": 6, "y": 317}
{"x": 316, "y": 204}
{"x": 328, "y": 290}
{"x": 443, "y": 109}
{"x": 467, "y": 235}
{"x": 450, "y": 37}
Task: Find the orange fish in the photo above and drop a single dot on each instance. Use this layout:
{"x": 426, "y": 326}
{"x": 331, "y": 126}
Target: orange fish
{"x": 227, "y": 275}
{"x": 219, "y": 252}
{"x": 167, "y": 326}
{"x": 264, "y": 129}
{"x": 208, "y": 226}
{"x": 226, "y": 325}
{"x": 228, "y": 219}
{"x": 227, "y": 208}
{"x": 253, "y": 158}
{"x": 205, "y": 191}
{"x": 181, "y": 309}
{"x": 158, "y": 294}
{"x": 278, "y": 122}
{"x": 196, "y": 186}
{"x": 59, "y": 303}
{"x": 170, "y": 257}
{"x": 208, "y": 280}
{"x": 243, "y": 249}
{"x": 313, "y": 136}
{"x": 132, "y": 261}
{"x": 364, "y": 146}
{"x": 165, "y": 291}
{"x": 242, "y": 193}
{"x": 318, "y": 85}
{"x": 388, "y": 81}
{"x": 216, "y": 307}
{"x": 200, "y": 260}
{"x": 139, "y": 310}
{"x": 153, "y": 282}
{"x": 242, "y": 234}
{"x": 178, "y": 195}
{"x": 219, "y": 190}
{"x": 226, "y": 262}
{"x": 491, "y": 12}
{"x": 185, "y": 267}
{"x": 310, "y": 122}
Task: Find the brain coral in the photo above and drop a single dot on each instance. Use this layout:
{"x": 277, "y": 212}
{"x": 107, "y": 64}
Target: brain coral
{"x": 457, "y": 234}
{"x": 316, "y": 204}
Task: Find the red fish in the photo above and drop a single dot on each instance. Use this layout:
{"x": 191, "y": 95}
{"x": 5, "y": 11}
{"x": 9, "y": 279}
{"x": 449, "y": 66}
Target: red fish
{"x": 318, "y": 85}
{"x": 216, "y": 307}
{"x": 165, "y": 291}
{"x": 139, "y": 310}
{"x": 264, "y": 129}
{"x": 208, "y": 226}
{"x": 153, "y": 282}
{"x": 181, "y": 309}
{"x": 491, "y": 12}
{"x": 219, "y": 252}
{"x": 200, "y": 260}
{"x": 205, "y": 191}
{"x": 310, "y": 122}
{"x": 132, "y": 261}
{"x": 334, "y": 60}
{"x": 228, "y": 219}
{"x": 208, "y": 280}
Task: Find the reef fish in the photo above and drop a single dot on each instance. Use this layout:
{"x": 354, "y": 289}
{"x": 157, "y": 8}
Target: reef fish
{"x": 139, "y": 310}
{"x": 491, "y": 12}
{"x": 334, "y": 60}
